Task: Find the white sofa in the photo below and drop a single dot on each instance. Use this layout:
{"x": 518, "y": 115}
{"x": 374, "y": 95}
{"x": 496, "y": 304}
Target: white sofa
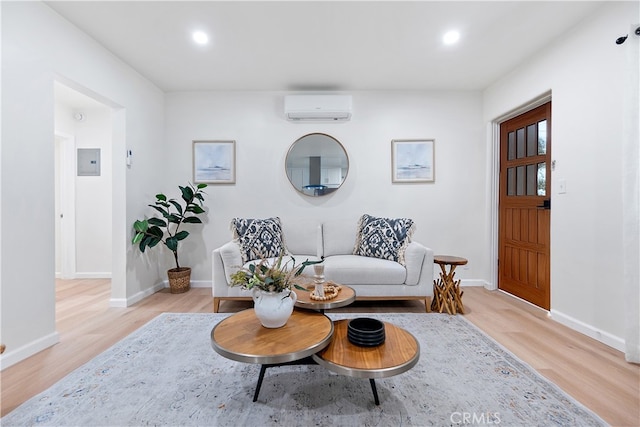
{"x": 371, "y": 278}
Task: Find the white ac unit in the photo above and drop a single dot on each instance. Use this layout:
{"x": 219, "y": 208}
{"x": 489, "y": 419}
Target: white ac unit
{"x": 317, "y": 107}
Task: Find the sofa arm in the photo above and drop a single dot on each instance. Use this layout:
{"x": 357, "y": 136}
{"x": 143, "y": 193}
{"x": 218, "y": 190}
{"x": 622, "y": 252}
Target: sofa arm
{"x": 419, "y": 264}
{"x": 226, "y": 261}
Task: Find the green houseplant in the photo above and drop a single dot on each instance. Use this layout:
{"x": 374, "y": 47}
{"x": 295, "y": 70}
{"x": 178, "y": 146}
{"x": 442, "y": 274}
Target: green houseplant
{"x": 167, "y": 229}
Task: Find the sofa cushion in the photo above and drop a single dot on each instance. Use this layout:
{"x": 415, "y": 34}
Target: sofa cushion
{"x": 288, "y": 262}
{"x": 258, "y": 238}
{"x": 360, "y": 270}
{"x": 339, "y": 237}
{"x": 301, "y": 236}
{"x": 384, "y": 238}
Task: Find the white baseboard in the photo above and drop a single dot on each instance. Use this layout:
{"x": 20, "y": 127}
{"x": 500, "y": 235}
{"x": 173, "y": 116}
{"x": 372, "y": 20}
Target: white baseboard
{"x": 194, "y": 283}
{"x": 473, "y": 282}
{"x": 588, "y": 330}
{"x": 12, "y": 357}
{"x": 199, "y": 284}
{"x": 95, "y": 275}
{"x": 127, "y": 302}
{"x": 579, "y": 326}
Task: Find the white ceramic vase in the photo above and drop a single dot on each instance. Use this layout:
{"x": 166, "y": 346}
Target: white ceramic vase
{"x": 273, "y": 308}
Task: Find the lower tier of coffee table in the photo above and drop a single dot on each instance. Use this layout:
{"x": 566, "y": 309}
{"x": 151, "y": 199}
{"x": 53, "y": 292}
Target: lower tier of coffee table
{"x": 399, "y": 353}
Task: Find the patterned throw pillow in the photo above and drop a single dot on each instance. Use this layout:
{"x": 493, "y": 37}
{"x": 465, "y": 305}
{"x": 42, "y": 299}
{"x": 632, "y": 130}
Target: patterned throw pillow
{"x": 258, "y": 238}
{"x": 385, "y": 238}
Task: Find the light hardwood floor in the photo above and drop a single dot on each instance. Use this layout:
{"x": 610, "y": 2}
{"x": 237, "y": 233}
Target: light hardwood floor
{"x": 594, "y": 374}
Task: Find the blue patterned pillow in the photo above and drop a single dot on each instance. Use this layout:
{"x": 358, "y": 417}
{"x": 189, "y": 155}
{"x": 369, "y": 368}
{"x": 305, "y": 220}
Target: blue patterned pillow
{"x": 385, "y": 238}
{"x": 258, "y": 238}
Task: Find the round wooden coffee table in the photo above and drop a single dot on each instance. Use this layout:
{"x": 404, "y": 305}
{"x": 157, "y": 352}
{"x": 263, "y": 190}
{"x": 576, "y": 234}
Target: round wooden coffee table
{"x": 399, "y": 353}
{"x": 345, "y": 297}
{"x": 242, "y": 337}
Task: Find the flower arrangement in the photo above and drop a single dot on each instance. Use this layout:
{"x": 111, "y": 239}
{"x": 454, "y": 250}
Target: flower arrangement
{"x": 276, "y": 277}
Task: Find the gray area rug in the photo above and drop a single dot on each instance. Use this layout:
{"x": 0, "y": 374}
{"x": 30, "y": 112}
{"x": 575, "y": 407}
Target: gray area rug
{"x": 166, "y": 373}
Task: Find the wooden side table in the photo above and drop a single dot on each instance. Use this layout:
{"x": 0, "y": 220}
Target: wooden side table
{"x": 446, "y": 290}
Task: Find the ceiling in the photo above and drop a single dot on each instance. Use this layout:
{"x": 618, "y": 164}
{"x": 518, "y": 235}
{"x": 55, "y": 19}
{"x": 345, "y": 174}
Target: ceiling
{"x": 324, "y": 45}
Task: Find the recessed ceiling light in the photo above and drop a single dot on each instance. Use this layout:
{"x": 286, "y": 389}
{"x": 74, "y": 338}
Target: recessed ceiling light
{"x": 200, "y": 37}
{"x": 451, "y": 37}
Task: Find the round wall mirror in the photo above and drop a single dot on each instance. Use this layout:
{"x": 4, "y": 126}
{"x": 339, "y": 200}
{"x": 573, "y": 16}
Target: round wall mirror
{"x": 317, "y": 164}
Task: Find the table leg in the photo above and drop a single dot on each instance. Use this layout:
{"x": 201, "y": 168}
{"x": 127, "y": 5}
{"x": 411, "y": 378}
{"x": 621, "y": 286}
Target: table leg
{"x": 457, "y": 297}
{"x": 436, "y": 304}
{"x": 374, "y": 390}
{"x": 305, "y": 361}
{"x": 263, "y": 369}
{"x": 441, "y": 295}
{"x": 447, "y": 293}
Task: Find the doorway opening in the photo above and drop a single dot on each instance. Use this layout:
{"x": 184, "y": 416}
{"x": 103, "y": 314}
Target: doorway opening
{"x": 84, "y": 207}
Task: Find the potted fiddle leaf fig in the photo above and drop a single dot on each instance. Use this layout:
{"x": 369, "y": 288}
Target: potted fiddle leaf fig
{"x": 166, "y": 229}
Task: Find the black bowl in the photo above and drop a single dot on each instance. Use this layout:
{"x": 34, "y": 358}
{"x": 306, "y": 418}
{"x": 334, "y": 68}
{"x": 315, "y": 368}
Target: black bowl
{"x": 377, "y": 339}
{"x": 366, "y": 343}
{"x": 365, "y": 331}
{"x": 365, "y": 326}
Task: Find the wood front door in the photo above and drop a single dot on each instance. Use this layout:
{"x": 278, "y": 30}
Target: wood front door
{"x": 525, "y": 206}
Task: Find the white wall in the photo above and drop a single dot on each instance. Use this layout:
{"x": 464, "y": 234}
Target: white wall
{"x": 586, "y": 73}
{"x": 93, "y": 197}
{"x": 38, "y": 47}
{"x": 449, "y": 213}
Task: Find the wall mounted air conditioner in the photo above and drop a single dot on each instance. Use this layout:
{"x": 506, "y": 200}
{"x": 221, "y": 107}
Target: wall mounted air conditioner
{"x": 317, "y": 107}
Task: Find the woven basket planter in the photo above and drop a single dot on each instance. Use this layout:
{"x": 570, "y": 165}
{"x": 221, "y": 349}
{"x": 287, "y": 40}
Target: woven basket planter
{"x": 179, "y": 279}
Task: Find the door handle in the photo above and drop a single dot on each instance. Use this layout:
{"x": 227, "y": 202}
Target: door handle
{"x": 545, "y": 204}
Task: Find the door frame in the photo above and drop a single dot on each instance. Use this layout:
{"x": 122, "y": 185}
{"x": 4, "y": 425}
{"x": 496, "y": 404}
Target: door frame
{"x": 494, "y": 185}
{"x": 120, "y": 231}
{"x": 67, "y": 183}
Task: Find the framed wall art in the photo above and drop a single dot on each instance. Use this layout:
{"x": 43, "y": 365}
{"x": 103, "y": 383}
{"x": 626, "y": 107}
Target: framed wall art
{"x": 412, "y": 160}
{"x": 214, "y": 162}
